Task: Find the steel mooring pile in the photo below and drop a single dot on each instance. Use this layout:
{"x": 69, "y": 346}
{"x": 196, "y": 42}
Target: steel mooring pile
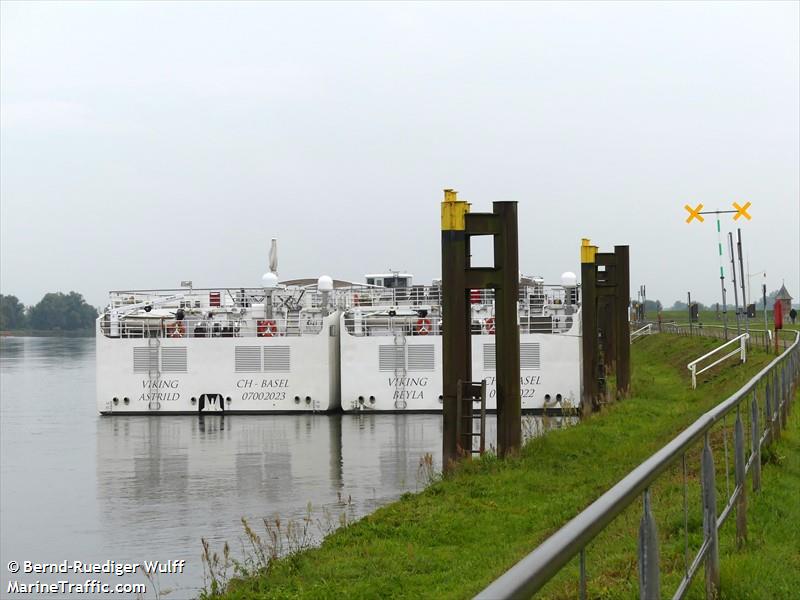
{"x": 459, "y": 277}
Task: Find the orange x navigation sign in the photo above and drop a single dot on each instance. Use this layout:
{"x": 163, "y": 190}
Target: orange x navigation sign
{"x": 694, "y": 213}
{"x": 741, "y": 211}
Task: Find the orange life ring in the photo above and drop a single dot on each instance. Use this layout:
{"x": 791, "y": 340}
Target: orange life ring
{"x": 489, "y": 325}
{"x": 266, "y": 328}
{"x": 176, "y": 330}
{"x": 423, "y": 326}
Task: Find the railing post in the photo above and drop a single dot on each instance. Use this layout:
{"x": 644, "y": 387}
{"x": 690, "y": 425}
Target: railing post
{"x": 710, "y": 522}
{"x": 756, "y": 443}
{"x": 739, "y": 462}
{"x": 649, "y": 586}
{"x": 582, "y": 584}
{"x": 776, "y": 406}
{"x": 785, "y": 401}
{"x": 694, "y": 377}
{"x": 768, "y": 411}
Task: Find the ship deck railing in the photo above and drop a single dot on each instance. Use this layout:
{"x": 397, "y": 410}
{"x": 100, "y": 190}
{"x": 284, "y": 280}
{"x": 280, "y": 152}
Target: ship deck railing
{"x": 167, "y": 327}
{"x": 535, "y": 296}
{"x": 224, "y": 298}
{"x": 415, "y": 325}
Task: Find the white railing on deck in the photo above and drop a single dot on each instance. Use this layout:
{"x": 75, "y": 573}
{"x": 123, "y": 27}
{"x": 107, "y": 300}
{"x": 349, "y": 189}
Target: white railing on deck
{"x": 741, "y": 351}
{"x": 536, "y": 297}
{"x": 169, "y": 328}
{"x": 380, "y": 325}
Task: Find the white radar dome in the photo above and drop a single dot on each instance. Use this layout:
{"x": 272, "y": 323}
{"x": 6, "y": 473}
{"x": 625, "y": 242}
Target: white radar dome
{"x": 569, "y": 280}
{"x": 324, "y": 284}
{"x": 269, "y": 280}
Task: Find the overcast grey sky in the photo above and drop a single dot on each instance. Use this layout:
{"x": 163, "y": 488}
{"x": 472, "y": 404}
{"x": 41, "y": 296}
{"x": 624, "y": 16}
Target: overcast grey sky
{"x": 146, "y": 143}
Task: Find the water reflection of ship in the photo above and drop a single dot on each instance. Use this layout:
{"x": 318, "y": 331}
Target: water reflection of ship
{"x": 176, "y": 460}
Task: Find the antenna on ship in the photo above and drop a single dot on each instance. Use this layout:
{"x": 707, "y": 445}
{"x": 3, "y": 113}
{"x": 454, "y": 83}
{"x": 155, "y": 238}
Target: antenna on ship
{"x": 270, "y": 278}
{"x": 273, "y": 256}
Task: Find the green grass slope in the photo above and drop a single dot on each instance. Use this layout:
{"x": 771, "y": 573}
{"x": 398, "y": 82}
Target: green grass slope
{"x": 455, "y": 537}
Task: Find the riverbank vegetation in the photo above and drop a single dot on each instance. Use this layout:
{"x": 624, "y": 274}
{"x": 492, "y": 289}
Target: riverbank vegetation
{"x": 55, "y": 312}
{"x": 467, "y": 528}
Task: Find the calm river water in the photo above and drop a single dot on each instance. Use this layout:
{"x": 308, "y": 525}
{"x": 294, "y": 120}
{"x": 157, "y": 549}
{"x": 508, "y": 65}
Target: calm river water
{"x": 79, "y": 487}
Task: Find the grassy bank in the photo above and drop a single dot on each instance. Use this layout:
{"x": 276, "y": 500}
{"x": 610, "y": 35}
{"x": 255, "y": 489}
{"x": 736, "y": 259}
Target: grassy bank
{"x": 769, "y": 564}
{"x": 460, "y": 533}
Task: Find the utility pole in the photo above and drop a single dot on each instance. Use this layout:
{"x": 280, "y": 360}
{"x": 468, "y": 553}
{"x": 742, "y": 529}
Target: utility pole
{"x": 738, "y": 212}
{"x": 741, "y": 277}
{"x": 722, "y": 283}
{"x": 733, "y": 274}
{"x": 766, "y": 327}
{"x": 689, "y": 307}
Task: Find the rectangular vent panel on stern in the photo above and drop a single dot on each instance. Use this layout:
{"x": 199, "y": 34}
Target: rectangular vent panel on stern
{"x": 277, "y": 359}
{"x": 173, "y": 360}
{"x": 421, "y": 357}
{"x": 391, "y": 357}
{"x": 247, "y": 359}
{"x": 145, "y": 360}
{"x": 530, "y": 356}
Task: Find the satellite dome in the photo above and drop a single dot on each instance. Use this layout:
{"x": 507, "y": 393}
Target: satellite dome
{"x": 569, "y": 280}
{"x": 324, "y": 283}
{"x": 269, "y": 281}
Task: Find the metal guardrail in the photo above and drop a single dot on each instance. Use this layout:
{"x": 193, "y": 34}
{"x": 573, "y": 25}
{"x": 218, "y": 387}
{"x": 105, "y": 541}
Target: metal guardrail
{"x": 762, "y": 337}
{"x": 741, "y": 351}
{"x": 641, "y": 332}
{"x": 776, "y": 385}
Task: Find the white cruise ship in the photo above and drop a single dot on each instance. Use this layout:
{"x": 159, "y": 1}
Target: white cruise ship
{"x": 268, "y": 349}
{"x": 391, "y": 345}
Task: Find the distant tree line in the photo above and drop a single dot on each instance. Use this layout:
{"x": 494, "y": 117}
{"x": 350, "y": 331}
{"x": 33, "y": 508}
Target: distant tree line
{"x": 54, "y": 312}
{"x": 758, "y": 300}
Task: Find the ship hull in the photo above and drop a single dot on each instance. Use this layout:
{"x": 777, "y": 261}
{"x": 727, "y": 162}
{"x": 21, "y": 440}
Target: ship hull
{"x": 404, "y": 373}
{"x": 234, "y": 375}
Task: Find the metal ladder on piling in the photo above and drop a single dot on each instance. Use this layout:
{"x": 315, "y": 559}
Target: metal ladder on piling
{"x": 468, "y": 393}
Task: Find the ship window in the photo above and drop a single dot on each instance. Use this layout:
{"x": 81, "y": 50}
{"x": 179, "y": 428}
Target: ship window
{"x": 247, "y": 359}
{"x": 276, "y": 359}
{"x": 396, "y": 282}
{"x": 173, "y": 360}
{"x": 391, "y": 357}
{"x": 370, "y": 281}
{"x": 145, "y": 360}
{"x": 421, "y": 357}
